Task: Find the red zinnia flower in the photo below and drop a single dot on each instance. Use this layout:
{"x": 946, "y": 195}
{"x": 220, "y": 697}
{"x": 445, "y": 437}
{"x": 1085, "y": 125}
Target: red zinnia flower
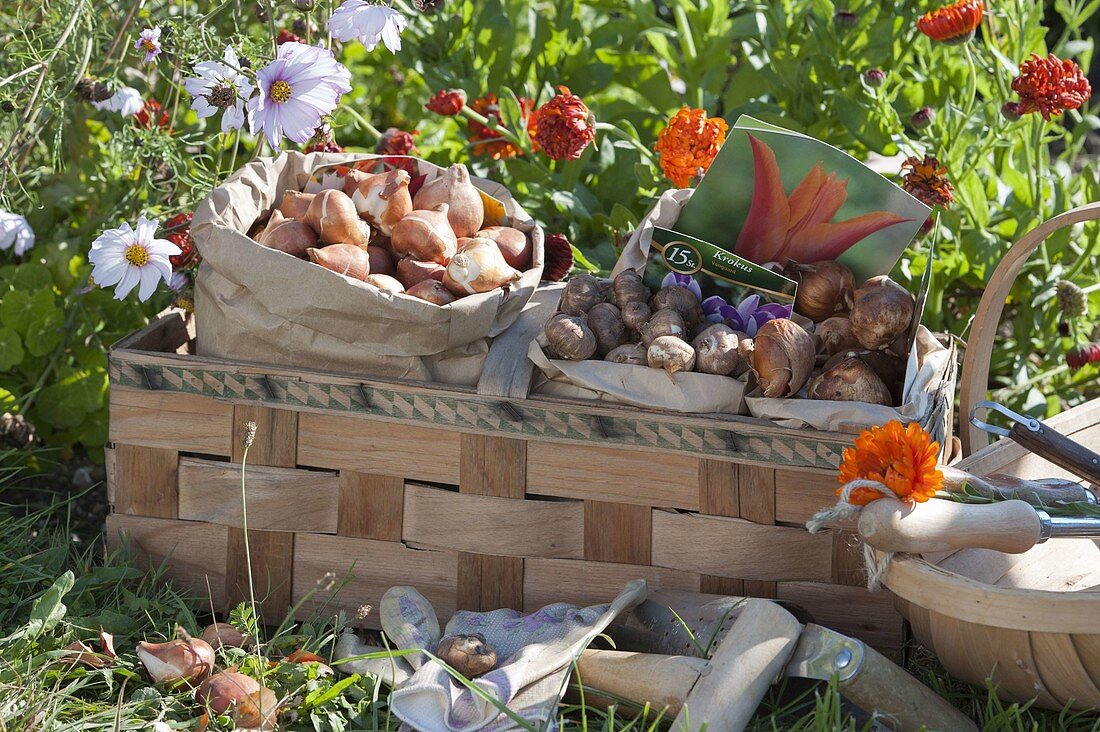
{"x": 563, "y": 127}
{"x": 151, "y": 111}
{"x": 286, "y": 36}
{"x": 397, "y": 142}
{"x": 489, "y": 141}
{"x": 448, "y": 102}
{"x": 1082, "y": 355}
{"x": 1050, "y": 86}
{"x": 926, "y": 180}
{"x": 953, "y": 23}
{"x": 559, "y": 257}
{"x": 178, "y": 231}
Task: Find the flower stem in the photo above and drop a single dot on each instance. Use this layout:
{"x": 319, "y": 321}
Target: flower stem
{"x": 624, "y": 135}
{"x": 363, "y": 122}
{"x": 247, "y": 552}
{"x": 482, "y": 119}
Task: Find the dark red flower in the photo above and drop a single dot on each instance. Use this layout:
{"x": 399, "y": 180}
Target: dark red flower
{"x": 447, "y": 102}
{"x": 559, "y": 258}
{"x": 1081, "y": 355}
{"x": 874, "y": 77}
{"x": 955, "y": 23}
{"x": 1050, "y": 86}
{"x": 178, "y": 231}
{"x": 151, "y": 111}
{"x": 1011, "y": 111}
{"x": 397, "y": 142}
{"x": 286, "y": 36}
{"x": 922, "y": 118}
{"x": 563, "y": 127}
{"x": 487, "y": 140}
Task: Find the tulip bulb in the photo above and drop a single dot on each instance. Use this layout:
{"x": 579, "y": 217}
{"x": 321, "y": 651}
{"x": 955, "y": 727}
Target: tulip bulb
{"x": 295, "y": 204}
{"x": 477, "y": 267}
{"x": 425, "y": 235}
{"x": 225, "y": 690}
{"x": 290, "y": 236}
{"x": 824, "y": 288}
{"x": 412, "y": 272}
{"x": 384, "y": 283}
{"x": 432, "y": 291}
{"x": 882, "y": 312}
{"x": 224, "y": 635}
{"x": 185, "y": 660}
{"x": 257, "y": 710}
{"x": 783, "y": 356}
{"x": 634, "y": 354}
{"x": 384, "y": 199}
{"x": 836, "y": 335}
{"x": 513, "y": 244}
{"x": 333, "y": 216}
{"x": 466, "y": 210}
{"x": 344, "y": 259}
{"x": 381, "y": 261}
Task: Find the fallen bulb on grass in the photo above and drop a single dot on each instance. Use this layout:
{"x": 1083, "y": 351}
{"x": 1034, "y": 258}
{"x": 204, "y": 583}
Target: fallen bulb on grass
{"x": 466, "y": 210}
{"x": 185, "y": 660}
{"x": 224, "y": 690}
{"x": 222, "y": 635}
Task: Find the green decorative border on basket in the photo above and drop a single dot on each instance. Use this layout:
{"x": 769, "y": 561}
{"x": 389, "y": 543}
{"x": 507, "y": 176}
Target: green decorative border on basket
{"x": 482, "y": 414}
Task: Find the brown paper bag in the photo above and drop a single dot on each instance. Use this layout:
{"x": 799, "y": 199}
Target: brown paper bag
{"x": 257, "y": 304}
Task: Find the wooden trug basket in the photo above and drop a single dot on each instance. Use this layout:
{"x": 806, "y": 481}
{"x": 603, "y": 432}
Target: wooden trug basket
{"x": 1030, "y": 621}
{"x": 481, "y": 498}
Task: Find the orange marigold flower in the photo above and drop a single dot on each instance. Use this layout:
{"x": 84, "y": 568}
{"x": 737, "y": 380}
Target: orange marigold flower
{"x": 448, "y": 102}
{"x": 489, "y": 141}
{"x": 563, "y": 127}
{"x": 1050, "y": 86}
{"x": 688, "y": 144}
{"x": 926, "y": 180}
{"x": 953, "y": 23}
{"x": 901, "y": 458}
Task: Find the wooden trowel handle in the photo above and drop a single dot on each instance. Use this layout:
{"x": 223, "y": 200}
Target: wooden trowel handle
{"x": 889, "y": 525}
{"x": 1058, "y": 449}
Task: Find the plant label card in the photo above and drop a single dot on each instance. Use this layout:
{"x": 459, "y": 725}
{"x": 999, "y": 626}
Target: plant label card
{"x": 776, "y": 194}
{"x": 731, "y": 288}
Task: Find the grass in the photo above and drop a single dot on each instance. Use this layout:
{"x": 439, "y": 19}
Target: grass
{"x": 54, "y": 592}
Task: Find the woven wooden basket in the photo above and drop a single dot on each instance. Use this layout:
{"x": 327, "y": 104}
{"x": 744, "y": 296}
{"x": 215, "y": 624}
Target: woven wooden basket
{"x": 481, "y": 498}
{"x": 1030, "y": 621}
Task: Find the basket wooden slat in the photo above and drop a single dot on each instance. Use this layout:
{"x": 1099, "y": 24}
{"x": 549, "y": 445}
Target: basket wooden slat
{"x": 481, "y": 498}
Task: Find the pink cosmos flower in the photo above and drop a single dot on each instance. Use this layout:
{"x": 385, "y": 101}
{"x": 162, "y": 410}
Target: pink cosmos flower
{"x": 149, "y": 41}
{"x": 302, "y": 85}
{"x": 369, "y": 22}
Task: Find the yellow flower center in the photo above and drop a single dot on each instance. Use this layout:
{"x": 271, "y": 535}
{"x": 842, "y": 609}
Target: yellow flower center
{"x": 137, "y": 255}
{"x": 148, "y": 45}
{"x": 280, "y": 92}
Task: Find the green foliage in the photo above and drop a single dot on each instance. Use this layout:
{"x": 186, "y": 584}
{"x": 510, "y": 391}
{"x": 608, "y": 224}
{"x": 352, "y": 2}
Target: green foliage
{"x": 75, "y": 171}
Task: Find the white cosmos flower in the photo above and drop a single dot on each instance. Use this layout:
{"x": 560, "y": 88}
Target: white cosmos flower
{"x": 126, "y": 101}
{"x": 369, "y": 23}
{"x": 14, "y": 230}
{"x": 220, "y": 85}
{"x": 127, "y": 257}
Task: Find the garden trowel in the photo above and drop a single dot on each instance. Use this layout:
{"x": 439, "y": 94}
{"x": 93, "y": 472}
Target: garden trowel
{"x": 691, "y": 625}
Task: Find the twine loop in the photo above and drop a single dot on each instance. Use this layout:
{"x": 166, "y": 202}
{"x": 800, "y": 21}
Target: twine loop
{"x": 875, "y": 564}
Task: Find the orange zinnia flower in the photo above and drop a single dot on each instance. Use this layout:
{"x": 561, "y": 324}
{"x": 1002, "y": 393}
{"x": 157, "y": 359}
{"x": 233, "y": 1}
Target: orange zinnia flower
{"x": 926, "y": 180}
{"x": 901, "y": 458}
{"x": 953, "y": 23}
{"x": 800, "y": 226}
{"x": 1050, "y": 86}
{"x": 489, "y": 141}
{"x": 563, "y": 127}
{"x": 688, "y": 144}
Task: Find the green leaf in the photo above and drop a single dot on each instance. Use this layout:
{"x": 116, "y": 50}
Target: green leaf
{"x": 319, "y": 697}
{"x": 19, "y": 309}
{"x": 11, "y": 350}
{"x": 32, "y": 277}
{"x": 44, "y": 333}
{"x": 48, "y": 610}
